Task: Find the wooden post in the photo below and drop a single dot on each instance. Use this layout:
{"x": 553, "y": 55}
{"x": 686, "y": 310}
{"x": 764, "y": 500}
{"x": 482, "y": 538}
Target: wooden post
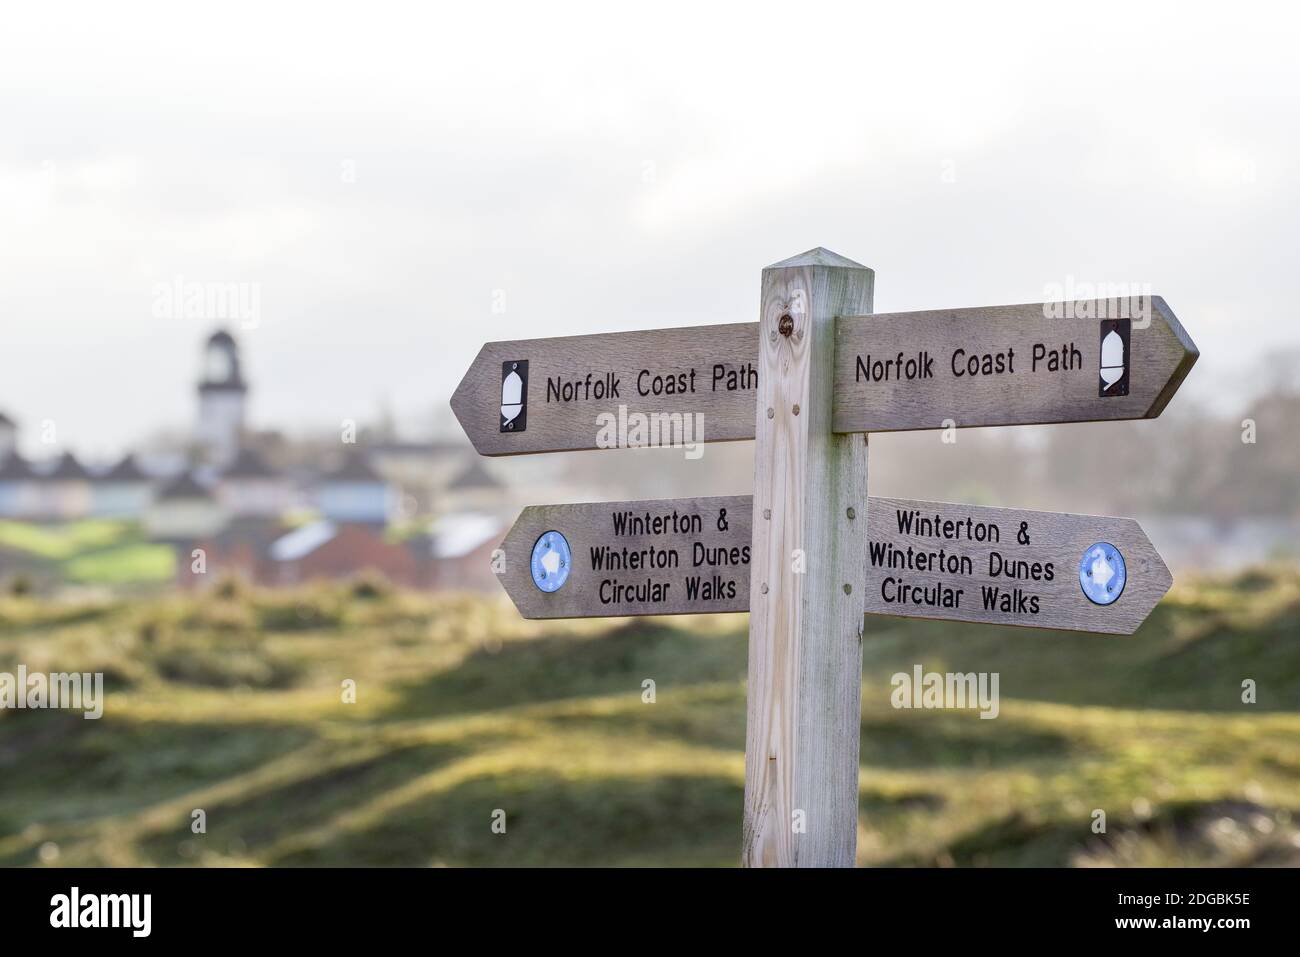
{"x": 808, "y": 568}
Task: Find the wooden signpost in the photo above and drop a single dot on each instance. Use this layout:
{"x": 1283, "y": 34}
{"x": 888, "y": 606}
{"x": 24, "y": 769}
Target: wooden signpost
{"x": 675, "y": 557}
{"x": 1008, "y": 365}
{"x": 1008, "y": 566}
{"x": 808, "y": 555}
{"x": 574, "y": 386}
{"x": 992, "y": 365}
{"x": 692, "y": 556}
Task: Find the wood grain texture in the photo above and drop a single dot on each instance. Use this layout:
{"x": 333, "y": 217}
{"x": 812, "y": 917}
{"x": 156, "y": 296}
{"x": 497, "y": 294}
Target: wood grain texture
{"x": 562, "y": 426}
{"x": 1055, "y": 539}
{"x": 805, "y": 626}
{"x": 1161, "y": 356}
{"x": 590, "y": 527}
{"x": 1058, "y": 538}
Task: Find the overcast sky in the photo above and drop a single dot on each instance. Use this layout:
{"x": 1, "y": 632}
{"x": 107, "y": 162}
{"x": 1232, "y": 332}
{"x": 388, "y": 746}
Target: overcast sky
{"x": 382, "y": 177}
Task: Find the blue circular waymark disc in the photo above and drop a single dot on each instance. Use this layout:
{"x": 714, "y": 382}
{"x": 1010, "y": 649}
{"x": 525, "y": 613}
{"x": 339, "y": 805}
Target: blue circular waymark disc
{"x": 1102, "y": 573}
{"x": 551, "y": 561}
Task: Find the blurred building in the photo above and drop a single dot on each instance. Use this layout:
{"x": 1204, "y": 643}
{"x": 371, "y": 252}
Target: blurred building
{"x": 238, "y": 549}
{"x": 8, "y": 436}
{"x": 18, "y": 488}
{"x": 355, "y": 492}
{"x": 331, "y": 550}
{"x": 223, "y": 393}
{"x": 419, "y": 470}
{"x": 473, "y": 490}
{"x": 250, "y": 488}
{"x": 184, "y": 511}
{"x": 461, "y": 548}
{"x": 317, "y": 551}
{"x": 421, "y": 513}
{"x": 63, "y": 493}
{"x": 124, "y": 491}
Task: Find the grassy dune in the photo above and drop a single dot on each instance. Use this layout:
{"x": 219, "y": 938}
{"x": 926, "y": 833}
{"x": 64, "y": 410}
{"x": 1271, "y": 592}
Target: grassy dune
{"x": 231, "y": 703}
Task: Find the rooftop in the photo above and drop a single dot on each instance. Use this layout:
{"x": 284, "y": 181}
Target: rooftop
{"x": 302, "y": 541}
{"x": 455, "y": 536}
{"x": 67, "y": 469}
{"x": 355, "y": 468}
{"x": 249, "y": 464}
{"x": 474, "y": 476}
{"x": 182, "y": 488}
{"x": 15, "y": 466}
{"x": 126, "y": 470}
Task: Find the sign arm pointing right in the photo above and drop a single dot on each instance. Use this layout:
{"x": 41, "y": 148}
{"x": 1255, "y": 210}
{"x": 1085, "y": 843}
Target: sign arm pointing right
{"x": 934, "y": 560}
{"x": 1186, "y": 361}
{"x": 1028, "y": 364}
{"x": 1031, "y": 364}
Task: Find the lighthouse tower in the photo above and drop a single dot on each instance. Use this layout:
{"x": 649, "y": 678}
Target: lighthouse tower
{"x": 222, "y": 393}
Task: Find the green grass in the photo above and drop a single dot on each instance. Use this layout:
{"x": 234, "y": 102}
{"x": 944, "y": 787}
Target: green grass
{"x": 231, "y": 702}
{"x": 92, "y": 551}
{"x": 62, "y": 541}
{"x": 130, "y": 564}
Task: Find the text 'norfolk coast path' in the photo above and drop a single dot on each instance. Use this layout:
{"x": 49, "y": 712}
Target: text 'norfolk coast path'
{"x": 985, "y": 366}
{"x": 809, "y": 555}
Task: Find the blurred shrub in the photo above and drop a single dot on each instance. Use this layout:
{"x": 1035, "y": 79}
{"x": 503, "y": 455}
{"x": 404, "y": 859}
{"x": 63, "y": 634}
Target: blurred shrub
{"x": 221, "y": 615}
{"x": 371, "y": 586}
{"x": 303, "y": 610}
{"x": 230, "y": 588}
{"x": 224, "y": 666}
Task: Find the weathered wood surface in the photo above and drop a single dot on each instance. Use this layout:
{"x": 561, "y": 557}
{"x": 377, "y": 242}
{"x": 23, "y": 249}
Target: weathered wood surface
{"x": 806, "y": 606}
{"x": 712, "y": 374}
{"x": 701, "y": 548}
{"x": 574, "y": 380}
{"x": 1041, "y": 586}
{"x": 1056, "y": 363}
{"x": 1054, "y": 538}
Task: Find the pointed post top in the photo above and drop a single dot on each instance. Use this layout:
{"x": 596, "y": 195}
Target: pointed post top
{"x": 819, "y": 256}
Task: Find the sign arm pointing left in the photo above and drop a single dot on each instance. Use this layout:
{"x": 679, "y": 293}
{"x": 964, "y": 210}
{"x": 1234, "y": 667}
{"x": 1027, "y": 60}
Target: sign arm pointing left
{"x": 1026, "y": 364}
{"x": 576, "y": 393}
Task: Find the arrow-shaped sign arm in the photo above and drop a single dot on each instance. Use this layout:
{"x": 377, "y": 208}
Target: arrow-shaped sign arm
{"x": 1185, "y": 355}
{"x": 1005, "y": 566}
{"x": 574, "y": 393}
{"x": 1001, "y": 566}
{"x": 1028, "y": 364}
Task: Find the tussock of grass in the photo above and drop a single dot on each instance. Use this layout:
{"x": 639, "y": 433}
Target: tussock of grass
{"x": 231, "y": 701}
